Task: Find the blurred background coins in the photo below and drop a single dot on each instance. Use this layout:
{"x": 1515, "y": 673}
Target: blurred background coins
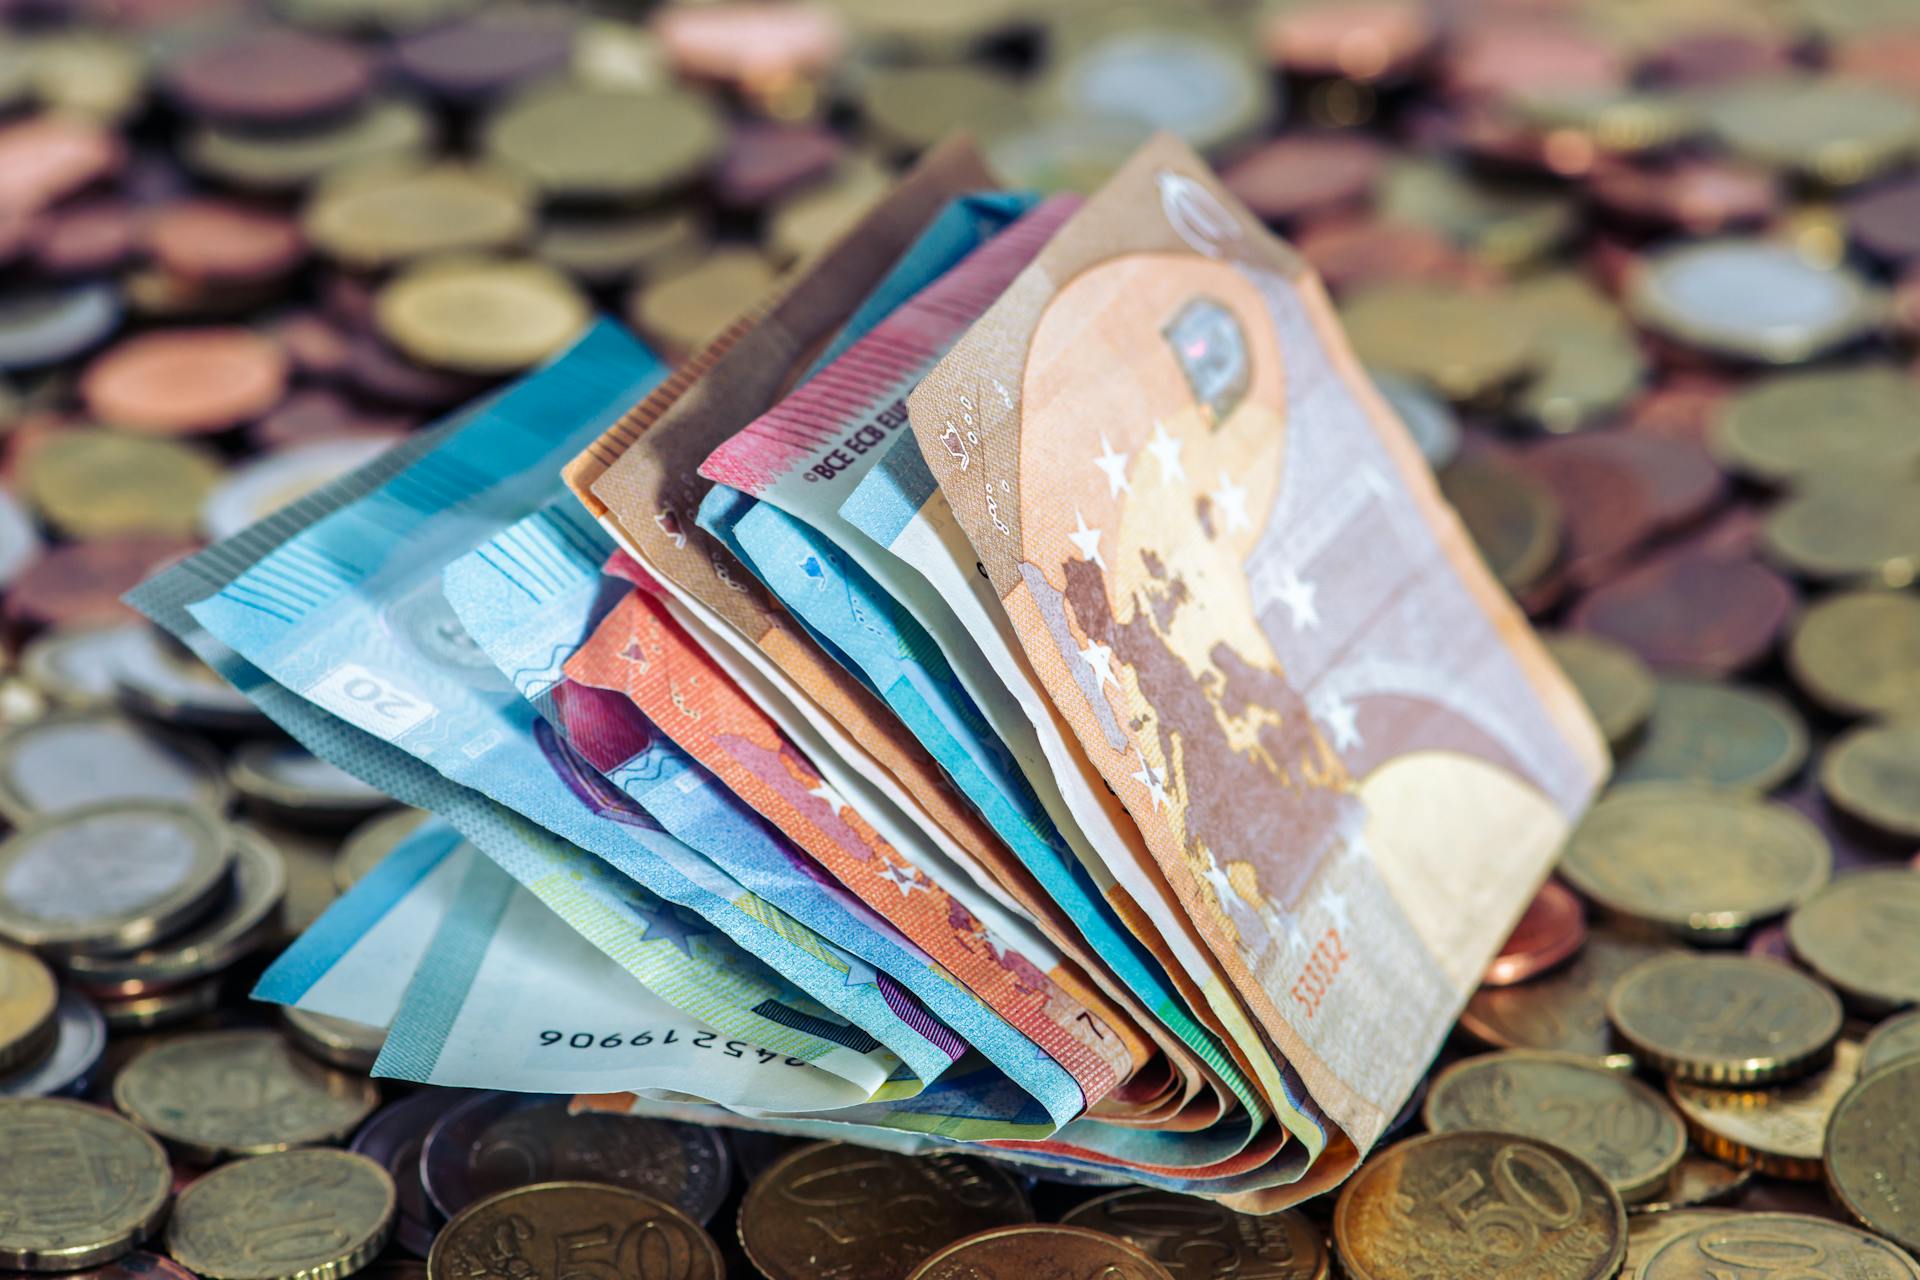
{"x": 282, "y": 1216}
{"x": 28, "y": 999}
{"x": 1007, "y": 1253}
{"x": 1190, "y": 1237}
{"x": 80, "y": 1185}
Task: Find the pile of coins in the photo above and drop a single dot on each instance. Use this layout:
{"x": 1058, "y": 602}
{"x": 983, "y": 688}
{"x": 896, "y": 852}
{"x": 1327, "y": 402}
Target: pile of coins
{"x": 1642, "y": 279}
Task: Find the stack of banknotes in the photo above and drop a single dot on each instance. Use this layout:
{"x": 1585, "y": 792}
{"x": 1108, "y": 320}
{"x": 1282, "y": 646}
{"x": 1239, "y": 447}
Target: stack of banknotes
{"x": 1019, "y": 686}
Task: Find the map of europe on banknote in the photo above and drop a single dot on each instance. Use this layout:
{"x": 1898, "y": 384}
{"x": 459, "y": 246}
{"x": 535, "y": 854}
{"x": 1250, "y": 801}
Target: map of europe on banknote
{"x": 1147, "y": 766}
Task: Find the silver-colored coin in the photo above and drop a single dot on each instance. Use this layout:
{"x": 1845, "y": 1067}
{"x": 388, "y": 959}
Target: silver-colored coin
{"x": 1753, "y": 299}
{"x": 163, "y": 681}
{"x": 76, "y": 667}
{"x": 1431, "y": 421}
{"x": 42, "y": 326}
{"x": 68, "y": 761}
{"x": 79, "y": 1038}
{"x": 110, "y": 877}
{"x": 261, "y": 486}
{"x": 19, "y": 540}
{"x": 297, "y": 785}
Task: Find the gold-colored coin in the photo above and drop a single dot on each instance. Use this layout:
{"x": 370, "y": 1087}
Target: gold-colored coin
{"x": 830, "y": 1209}
{"x": 78, "y": 1185}
{"x": 1858, "y": 653}
{"x": 1795, "y": 424}
{"x": 552, "y": 1230}
{"x": 1514, "y": 521}
{"x": 683, "y": 311}
{"x": 292, "y": 1215}
{"x": 1873, "y": 775}
{"x": 1862, "y": 934}
{"x": 1506, "y": 225}
{"x": 1727, "y": 1020}
{"x": 1872, "y": 1146}
{"x": 1717, "y": 735}
{"x": 28, "y": 996}
{"x": 217, "y": 1094}
{"x": 1622, "y": 1128}
{"x": 1647, "y": 1232}
{"x": 1828, "y": 128}
{"x": 1459, "y": 343}
{"x": 1564, "y": 1011}
{"x": 1196, "y": 1239}
{"x": 805, "y": 224}
{"x": 392, "y": 132}
{"x": 1779, "y": 1130}
{"x": 1704, "y": 863}
{"x": 481, "y": 315}
{"x": 1775, "y": 1246}
{"x": 575, "y": 142}
{"x": 161, "y": 1008}
{"x": 383, "y": 216}
{"x": 103, "y": 484}
{"x": 1849, "y": 526}
{"x": 1894, "y": 1040}
{"x": 1019, "y": 1253}
{"x": 1697, "y": 1180}
{"x": 110, "y": 877}
{"x": 1616, "y": 686}
{"x": 911, "y": 108}
{"x": 340, "y": 1042}
{"x": 604, "y": 248}
{"x": 370, "y": 842}
{"x": 1478, "y": 1205}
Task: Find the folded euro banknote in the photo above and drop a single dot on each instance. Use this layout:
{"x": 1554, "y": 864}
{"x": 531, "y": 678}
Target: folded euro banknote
{"x": 1018, "y": 688}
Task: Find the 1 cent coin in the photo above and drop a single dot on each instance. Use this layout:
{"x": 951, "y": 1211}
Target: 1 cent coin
{"x": 78, "y": 1184}
{"x": 1195, "y": 1239}
{"x": 1691, "y": 612}
{"x": 1551, "y": 930}
{"x": 218, "y": 1094}
{"x": 1872, "y": 1146}
{"x": 555, "y": 1230}
{"x": 292, "y": 1215}
{"x": 185, "y": 381}
{"x": 1478, "y": 1205}
{"x": 1725, "y": 1020}
{"x": 1623, "y": 1129}
{"x": 1019, "y": 1253}
{"x": 830, "y": 1209}
{"x": 1862, "y": 934}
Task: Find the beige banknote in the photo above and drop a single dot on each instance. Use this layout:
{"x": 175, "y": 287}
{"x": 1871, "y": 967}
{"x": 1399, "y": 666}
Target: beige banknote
{"x": 1227, "y": 564}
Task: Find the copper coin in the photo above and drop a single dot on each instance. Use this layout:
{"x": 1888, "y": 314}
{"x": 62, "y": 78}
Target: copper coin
{"x": 1304, "y": 174}
{"x": 1551, "y": 931}
{"x": 384, "y": 374}
{"x": 1350, "y": 252}
{"x": 487, "y": 53}
{"x": 1708, "y": 57}
{"x": 82, "y": 582}
{"x": 225, "y": 241}
{"x": 47, "y": 158}
{"x": 271, "y": 76}
{"x": 1619, "y": 488}
{"x": 319, "y": 413}
{"x": 86, "y": 237}
{"x": 1350, "y": 39}
{"x": 1887, "y": 54}
{"x": 1514, "y": 58}
{"x": 1886, "y": 221}
{"x": 764, "y": 161}
{"x": 754, "y": 47}
{"x": 316, "y": 347}
{"x": 179, "y": 382}
{"x": 1691, "y": 612}
{"x": 1695, "y": 194}
{"x": 1020, "y": 1253}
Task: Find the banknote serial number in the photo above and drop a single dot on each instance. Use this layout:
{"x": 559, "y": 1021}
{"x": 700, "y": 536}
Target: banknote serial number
{"x": 708, "y": 1040}
{"x": 1323, "y": 965}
